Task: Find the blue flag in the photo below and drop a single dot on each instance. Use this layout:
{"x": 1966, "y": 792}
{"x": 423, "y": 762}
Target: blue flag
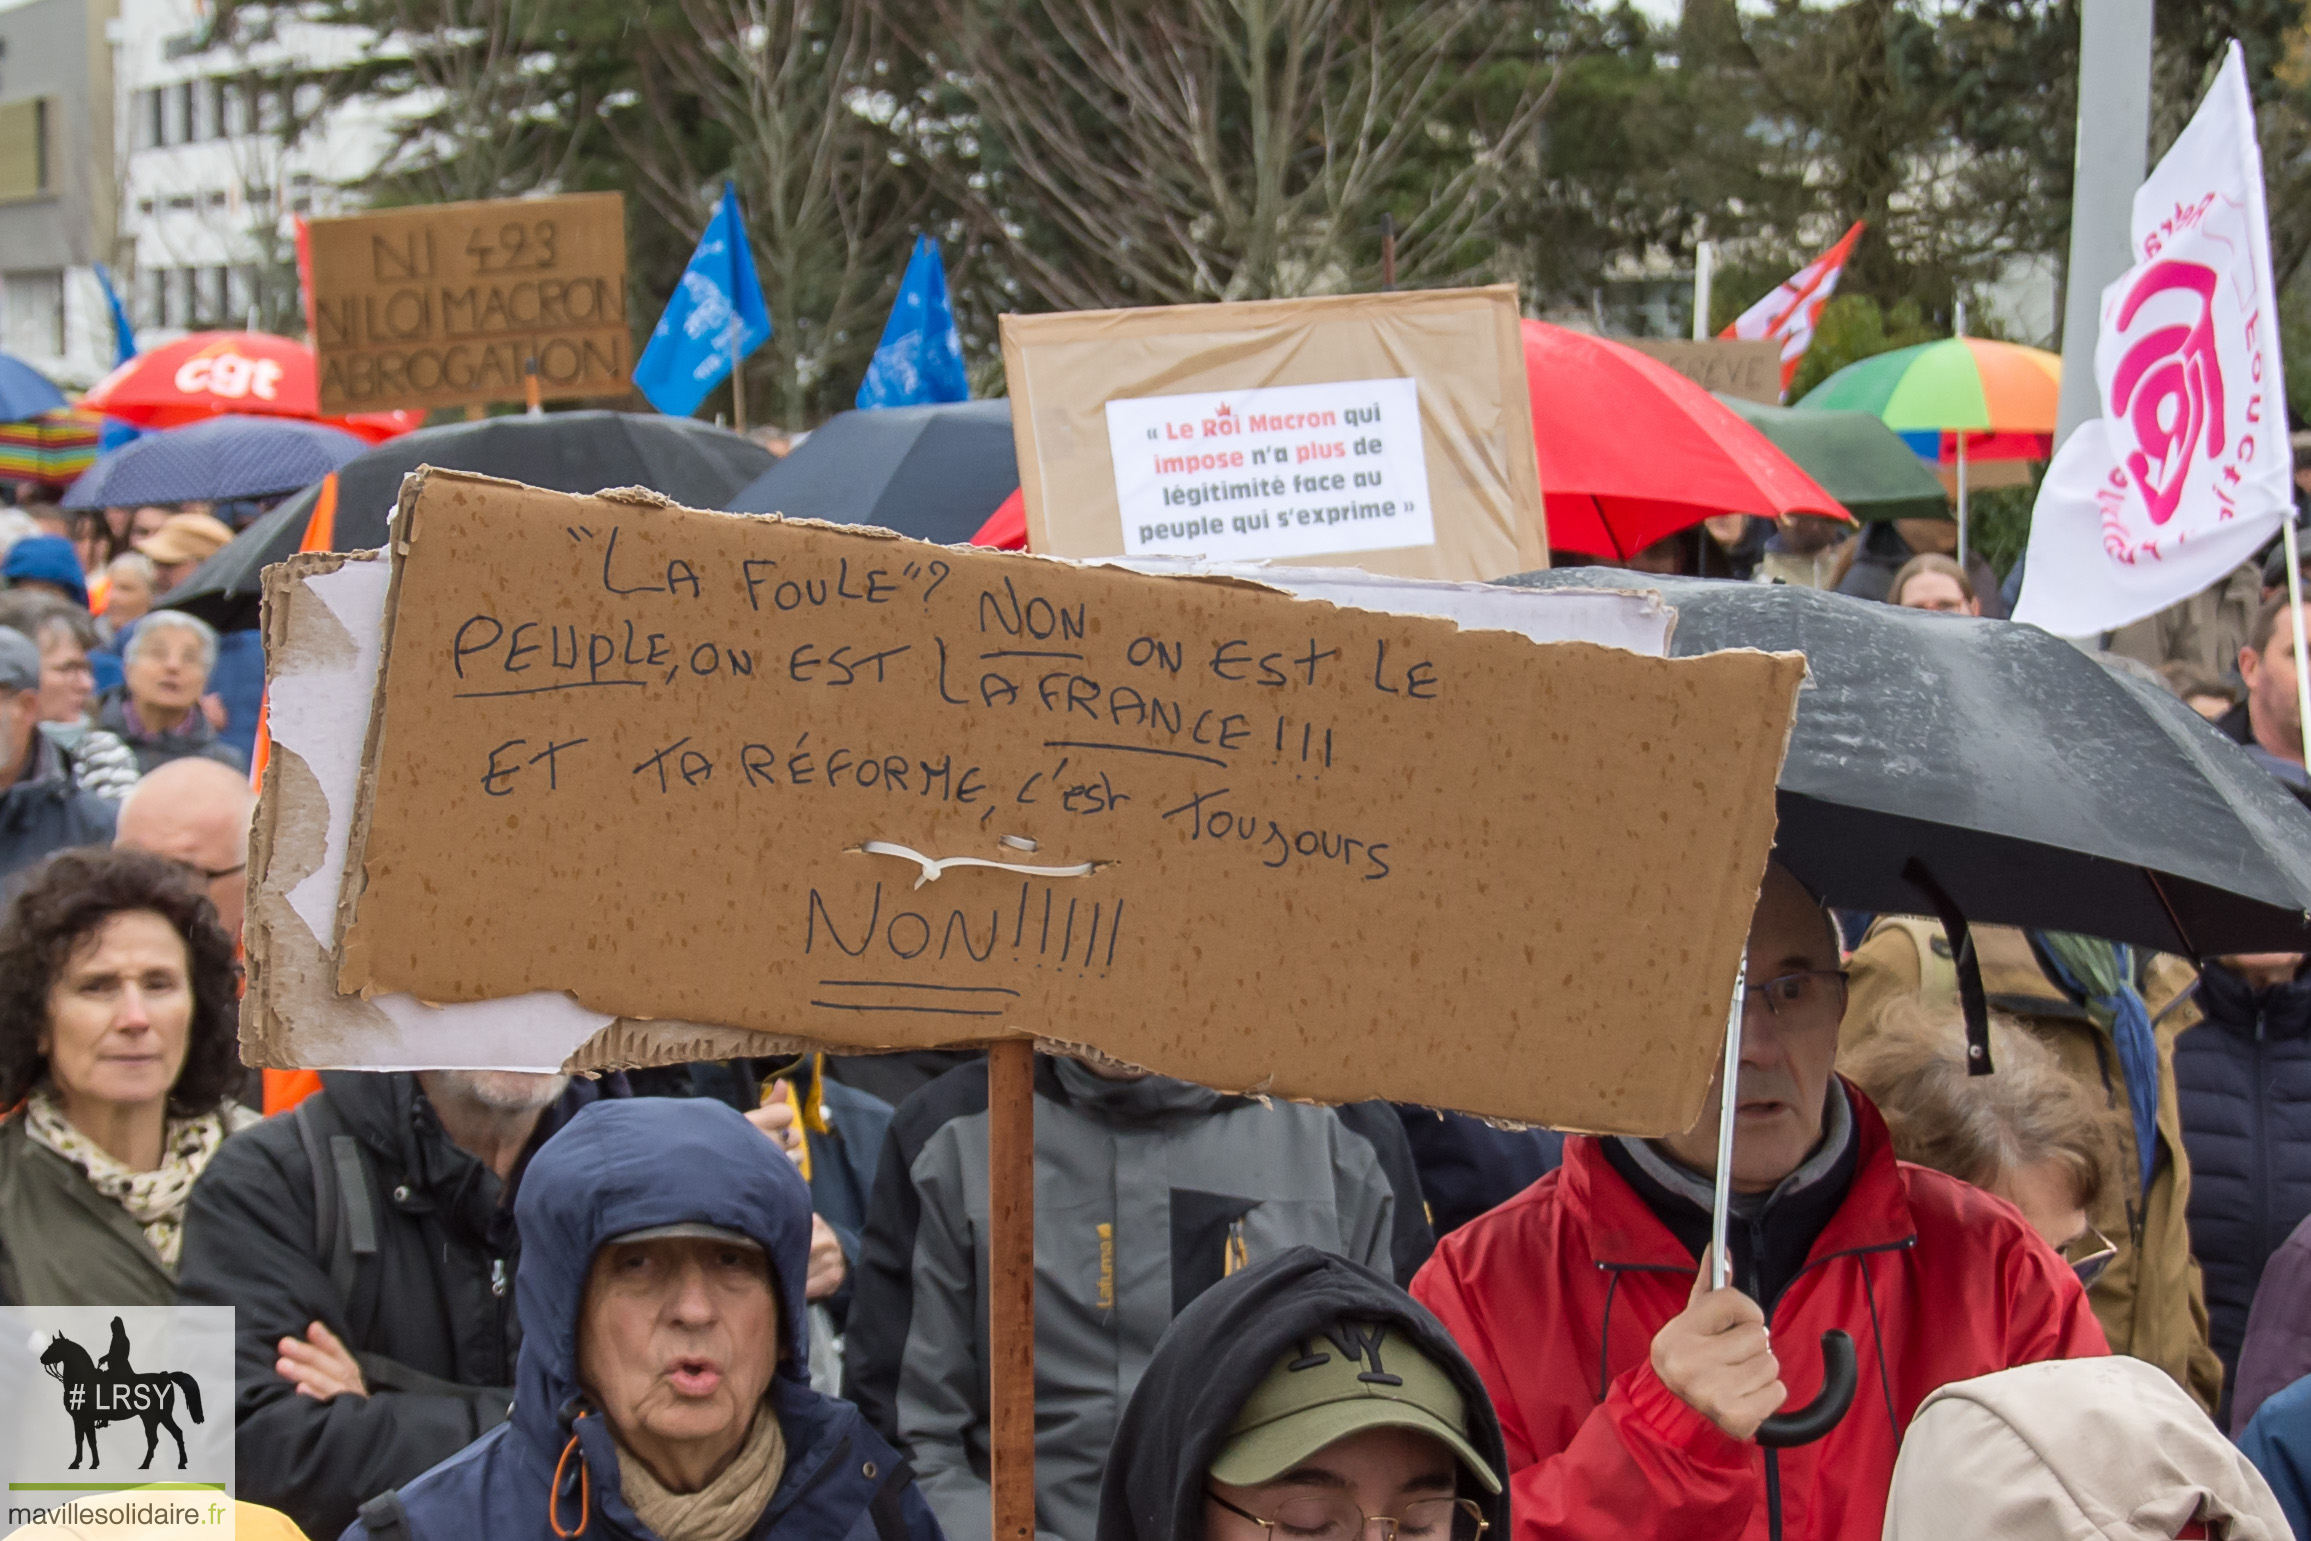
{"x": 920, "y": 359}
{"x": 123, "y": 335}
{"x": 715, "y": 318}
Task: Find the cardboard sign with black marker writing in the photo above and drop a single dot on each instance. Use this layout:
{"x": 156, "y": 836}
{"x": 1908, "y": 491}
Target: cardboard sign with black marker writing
{"x": 824, "y": 782}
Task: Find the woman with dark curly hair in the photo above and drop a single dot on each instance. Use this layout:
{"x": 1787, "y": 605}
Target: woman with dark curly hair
{"x": 117, "y": 1059}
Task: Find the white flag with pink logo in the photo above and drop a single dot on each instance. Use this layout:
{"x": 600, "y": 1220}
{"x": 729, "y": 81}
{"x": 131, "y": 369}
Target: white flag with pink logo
{"x": 2188, "y": 471}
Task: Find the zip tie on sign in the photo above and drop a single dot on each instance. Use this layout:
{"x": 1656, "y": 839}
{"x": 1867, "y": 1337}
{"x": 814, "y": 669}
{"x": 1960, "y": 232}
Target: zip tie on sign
{"x": 933, "y": 870}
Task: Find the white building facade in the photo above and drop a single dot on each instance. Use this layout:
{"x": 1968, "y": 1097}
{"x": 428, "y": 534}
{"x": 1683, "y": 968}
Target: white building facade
{"x": 225, "y": 146}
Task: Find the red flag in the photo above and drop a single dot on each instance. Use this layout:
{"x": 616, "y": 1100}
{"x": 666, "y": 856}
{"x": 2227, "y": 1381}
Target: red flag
{"x": 1787, "y": 315}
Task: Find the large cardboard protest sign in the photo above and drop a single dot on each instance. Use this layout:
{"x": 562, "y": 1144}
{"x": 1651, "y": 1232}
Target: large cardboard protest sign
{"x": 447, "y": 304}
{"x": 828, "y": 784}
{"x": 1391, "y": 432}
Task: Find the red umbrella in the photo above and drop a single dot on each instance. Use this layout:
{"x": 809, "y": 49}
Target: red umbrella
{"x": 209, "y": 374}
{"x": 1632, "y": 451}
{"x": 1006, "y": 528}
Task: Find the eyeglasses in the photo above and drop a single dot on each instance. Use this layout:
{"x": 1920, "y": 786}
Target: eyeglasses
{"x": 2092, "y": 1266}
{"x": 1805, "y": 993}
{"x": 1316, "y": 1517}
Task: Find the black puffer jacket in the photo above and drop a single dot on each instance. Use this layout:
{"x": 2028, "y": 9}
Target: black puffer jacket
{"x": 430, "y": 1315}
{"x": 2243, "y": 1078}
{"x": 1217, "y": 1351}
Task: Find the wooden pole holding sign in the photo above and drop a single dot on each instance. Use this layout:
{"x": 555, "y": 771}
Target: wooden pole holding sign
{"x": 1011, "y": 1285}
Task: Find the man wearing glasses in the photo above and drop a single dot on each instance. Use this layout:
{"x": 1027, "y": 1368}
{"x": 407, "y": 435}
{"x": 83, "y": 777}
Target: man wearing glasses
{"x": 1630, "y": 1395}
{"x": 1305, "y": 1398}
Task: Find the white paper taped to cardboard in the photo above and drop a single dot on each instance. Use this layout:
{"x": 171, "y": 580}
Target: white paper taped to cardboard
{"x": 322, "y": 716}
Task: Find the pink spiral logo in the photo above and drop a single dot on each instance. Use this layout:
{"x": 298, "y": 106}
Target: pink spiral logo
{"x": 2169, "y": 387}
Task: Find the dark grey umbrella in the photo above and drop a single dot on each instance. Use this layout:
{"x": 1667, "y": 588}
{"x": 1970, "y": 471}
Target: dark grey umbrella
{"x": 217, "y": 461}
{"x": 1941, "y": 764}
{"x": 935, "y": 473}
{"x": 694, "y": 463}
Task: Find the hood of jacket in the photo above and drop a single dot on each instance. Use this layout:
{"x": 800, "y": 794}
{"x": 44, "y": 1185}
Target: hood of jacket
{"x": 2228, "y": 1001}
{"x": 1217, "y": 1351}
{"x": 1140, "y": 1100}
{"x": 626, "y": 1165}
{"x": 2106, "y": 1447}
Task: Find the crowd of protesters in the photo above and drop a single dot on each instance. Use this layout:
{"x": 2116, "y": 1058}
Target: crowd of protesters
{"x": 488, "y": 1305}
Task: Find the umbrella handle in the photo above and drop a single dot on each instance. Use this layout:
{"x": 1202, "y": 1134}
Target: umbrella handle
{"x": 1823, "y": 1413}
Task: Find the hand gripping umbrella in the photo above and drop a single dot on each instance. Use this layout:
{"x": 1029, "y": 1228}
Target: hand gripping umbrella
{"x": 1988, "y": 771}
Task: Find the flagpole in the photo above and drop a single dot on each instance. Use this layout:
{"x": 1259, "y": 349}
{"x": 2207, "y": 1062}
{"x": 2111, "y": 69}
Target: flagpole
{"x": 737, "y": 378}
{"x": 2295, "y": 614}
{"x": 1961, "y": 500}
{"x": 1704, "y": 266}
{"x": 1958, "y": 329}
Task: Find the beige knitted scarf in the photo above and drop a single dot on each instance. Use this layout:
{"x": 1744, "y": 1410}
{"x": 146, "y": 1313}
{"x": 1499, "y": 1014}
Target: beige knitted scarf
{"x": 155, "y": 1200}
{"x": 723, "y": 1510}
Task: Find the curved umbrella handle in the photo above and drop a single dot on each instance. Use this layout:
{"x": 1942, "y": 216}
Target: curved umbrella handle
{"x": 1818, "y": 1417}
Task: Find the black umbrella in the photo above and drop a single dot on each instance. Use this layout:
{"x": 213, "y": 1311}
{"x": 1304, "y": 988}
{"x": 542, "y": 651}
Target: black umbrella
{"x": 1987, "y": 771}
{"x": 218, "y": 461}
{"x": 692, "y": 462}
{"x": 935, "y": 473}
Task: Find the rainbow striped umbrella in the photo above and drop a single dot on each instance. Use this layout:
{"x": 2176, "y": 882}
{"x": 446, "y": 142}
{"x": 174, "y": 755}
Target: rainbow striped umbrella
{"x": 2000, "y": 395}
{"x": 53, "y": 447}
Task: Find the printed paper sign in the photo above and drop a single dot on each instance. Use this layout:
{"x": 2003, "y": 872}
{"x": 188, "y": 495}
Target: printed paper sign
{"x": 118, "y": 1419}
{"x": 1283, "y": 471}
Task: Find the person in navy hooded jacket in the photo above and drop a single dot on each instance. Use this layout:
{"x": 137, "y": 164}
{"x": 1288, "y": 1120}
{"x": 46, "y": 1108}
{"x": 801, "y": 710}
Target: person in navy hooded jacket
{"x": 663, "y": 1390}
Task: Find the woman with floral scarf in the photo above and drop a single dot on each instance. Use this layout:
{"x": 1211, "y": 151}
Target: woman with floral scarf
{"x": 118, "y": 1059}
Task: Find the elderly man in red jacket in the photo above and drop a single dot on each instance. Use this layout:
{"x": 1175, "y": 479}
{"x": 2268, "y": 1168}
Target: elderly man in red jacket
{"x": 1630, "y": 1394}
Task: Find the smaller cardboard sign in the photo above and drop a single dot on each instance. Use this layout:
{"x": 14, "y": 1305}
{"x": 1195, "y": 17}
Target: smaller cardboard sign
{"x": 1286, "y": 471}
{"x": 1750, "y": 370}
{"x": 1396, "y": 433}
{"x": 447, "y": 304}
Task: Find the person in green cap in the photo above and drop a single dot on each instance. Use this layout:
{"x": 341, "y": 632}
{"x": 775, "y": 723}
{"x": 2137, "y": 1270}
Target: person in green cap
{"x": 1305, "y": 1399}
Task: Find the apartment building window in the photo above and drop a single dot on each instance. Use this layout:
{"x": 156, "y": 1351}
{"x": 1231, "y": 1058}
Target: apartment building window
{"x": 35, "y": 312}
{"x": 233, "y": 108}
{"x": 24, "y": 149}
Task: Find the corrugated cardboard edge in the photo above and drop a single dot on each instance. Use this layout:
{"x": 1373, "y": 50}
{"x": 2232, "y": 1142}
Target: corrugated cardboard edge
{"x": 1168, "y": 320}
{"x": 351, "y": 954}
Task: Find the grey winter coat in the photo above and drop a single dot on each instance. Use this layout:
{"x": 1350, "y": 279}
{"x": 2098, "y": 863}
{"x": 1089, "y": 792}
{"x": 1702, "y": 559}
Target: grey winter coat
{"x": 1147, "y": 1193}
{"x": 48, "y": 811}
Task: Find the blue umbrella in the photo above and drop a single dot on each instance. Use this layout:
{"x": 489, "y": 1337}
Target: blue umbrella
{"x": 24, "y": 391}
{"x": 215, "y": 462}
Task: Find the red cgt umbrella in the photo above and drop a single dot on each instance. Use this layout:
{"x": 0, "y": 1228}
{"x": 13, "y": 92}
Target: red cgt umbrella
{"x": 209, "y": 374}
{"x": 1632, "y": 451}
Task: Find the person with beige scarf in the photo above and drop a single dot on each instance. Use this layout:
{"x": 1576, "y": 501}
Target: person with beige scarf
{"x": 663, "y": 1390}
{"x": 118, "y": 1024}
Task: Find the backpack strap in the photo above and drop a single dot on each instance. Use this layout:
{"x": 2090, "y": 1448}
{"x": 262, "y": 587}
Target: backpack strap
{"x": 344, "y": 1220}
{"x": 384, "y": 1517}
